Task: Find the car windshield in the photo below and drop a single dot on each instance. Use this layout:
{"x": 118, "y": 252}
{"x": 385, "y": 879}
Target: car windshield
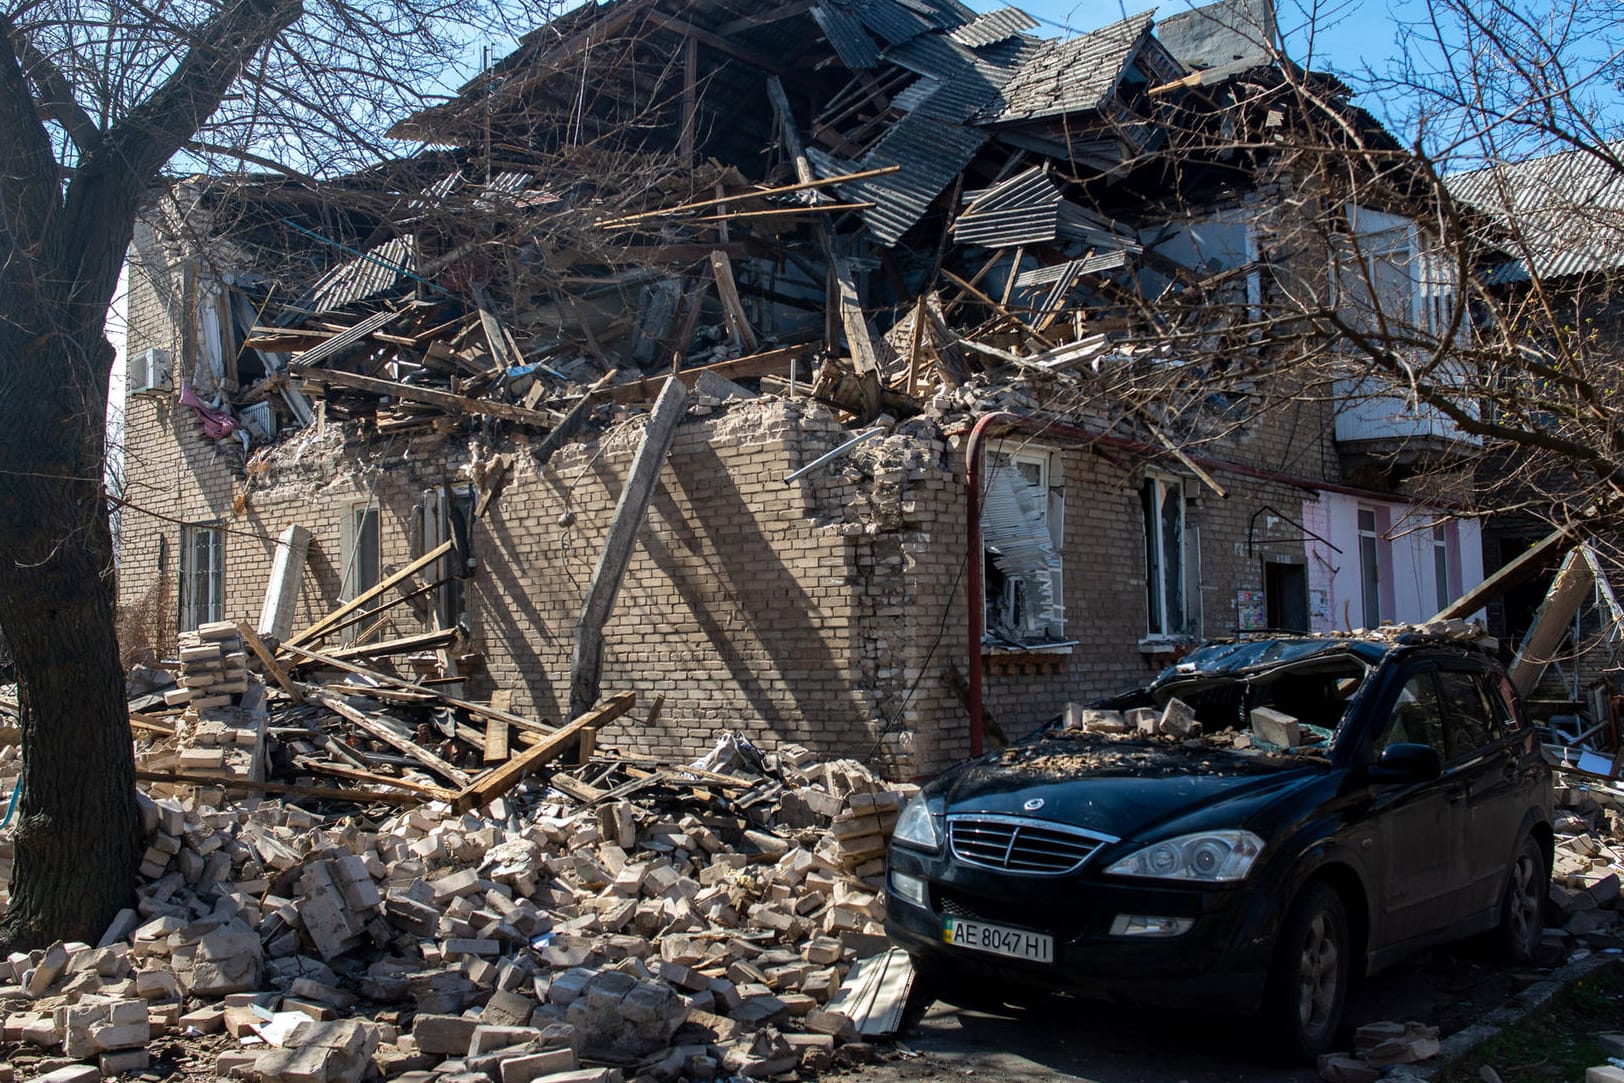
{"x": 1275, "y": 700}
{"x": 1314, "y": 694}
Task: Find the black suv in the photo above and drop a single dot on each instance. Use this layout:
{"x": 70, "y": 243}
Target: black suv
{"x": 1278, "y": 816}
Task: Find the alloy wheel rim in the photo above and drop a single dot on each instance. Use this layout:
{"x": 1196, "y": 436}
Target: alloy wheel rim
{"x": 1524, "y": 900}
{"x": 1317, "y": 973}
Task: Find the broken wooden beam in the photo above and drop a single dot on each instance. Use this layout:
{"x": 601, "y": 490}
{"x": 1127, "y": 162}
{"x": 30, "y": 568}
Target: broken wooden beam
{"x": 754, "y": 367}
{"x": 481, "y": 709}
{"x": 738, "y": 323}
{"x": 405, "y": 745}
{"x": 1552, "y": 622}
{"x": 617, "y": 547}
{"x": 344, "y": 340}
{"x": 736, "y": 197}
{"x": 499, "y": 780}
{"x": 273, "y": 669}
{"x": 460, "y": 404}
{"x": 329, "y": 793}
{"x": 422, "y": 641}
{"x": 328, "y": 623}
{"x": 1525, "y": 566}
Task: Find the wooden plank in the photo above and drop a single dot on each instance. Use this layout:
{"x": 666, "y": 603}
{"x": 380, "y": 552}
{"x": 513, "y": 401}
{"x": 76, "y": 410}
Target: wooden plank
{"x": 141, "y": 722}
{"x": 617, "y": 549}
{"x": 783, "y": 189}
{"x": 480, "y": 709}
{"x": 577, "y": 789}
{"x": 864, "y": 359}
{"x": 241, "y": 784}
{"x": 690, "y": 100}
{"x": 268, "y": 660}
{"x": 1573, "y": 583}
{"x": 1524, "y": 567}
{"x": 389, "y": 737}
{"x": 715, "y": 41}
{"x": 587, "y": 745}
{"x": 787, "y": 128}
{"x": 436, "y": 793}
{"x": 573, "y": 420}
{"x": 460, "y": 404}
{"x": 496, "y": 741}
{"x": 328, "y": 623}
{"x": 755, "y": 366}
{"x": 344, "y": 340}
{"x": 499, "y": 780}
{"x": 495, "y": 334}
{"x": 990, "y": 302}
{"x": 422, "y": 641}
{"x": 738, "y": 324}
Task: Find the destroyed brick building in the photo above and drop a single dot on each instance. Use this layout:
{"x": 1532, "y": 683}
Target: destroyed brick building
{"x": 924, "y": 240}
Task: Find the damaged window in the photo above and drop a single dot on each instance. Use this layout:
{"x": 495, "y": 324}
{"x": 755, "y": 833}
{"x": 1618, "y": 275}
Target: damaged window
{"x": 1022, "y": 530}
{"x": 362, "y": 554}
{"x": 1310, "y": 699}
{"x": 202, "y": 575}
{"x": 1172, "y": 595}
{"x": 447, "y": 515}
{"x": 1390, "y": 275}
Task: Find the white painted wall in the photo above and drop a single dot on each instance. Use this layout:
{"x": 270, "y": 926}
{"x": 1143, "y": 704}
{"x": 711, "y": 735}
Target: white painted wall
{"x": 1411, "y": 592}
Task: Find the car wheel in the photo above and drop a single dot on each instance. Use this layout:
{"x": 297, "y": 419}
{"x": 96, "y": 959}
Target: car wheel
{"x": 1309, "y": 979}
{"x": 1522, "y": 911}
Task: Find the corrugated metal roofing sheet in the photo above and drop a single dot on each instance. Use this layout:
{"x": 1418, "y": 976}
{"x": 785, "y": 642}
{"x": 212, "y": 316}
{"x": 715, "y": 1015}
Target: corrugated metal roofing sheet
{"x": 846, "y": 36}
{"x": 931, "y": 153}
{"x": 993, "y": 27}
{"x": 1024, "y": 209}
{"x": 969, "y": 80}
{"x": 364, "y": 276}
{"x": 914, "y": 94}
{"x": 891, "y": 20}
{"x": 1070, "y": 76}
{"x": 1565, "y": 210}
{"x": 943, "y": 14}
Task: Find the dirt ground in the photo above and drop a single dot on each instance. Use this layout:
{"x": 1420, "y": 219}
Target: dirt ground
{"x": 1063, "y": 1039}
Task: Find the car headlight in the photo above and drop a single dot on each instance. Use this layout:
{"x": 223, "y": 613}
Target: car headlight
{"x": 917, "y": 825}
{"x": 1206, "y": 857}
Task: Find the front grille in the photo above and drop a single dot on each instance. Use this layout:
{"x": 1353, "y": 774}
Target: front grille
{"x": 955, "y": 909}
{"x": 1014, "y": 844}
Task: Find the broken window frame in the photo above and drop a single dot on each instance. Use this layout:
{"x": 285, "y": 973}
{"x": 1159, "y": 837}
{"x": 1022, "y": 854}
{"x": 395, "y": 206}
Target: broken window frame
{"x": 361, "y": 558}
{"x": 202, "y": 592}
{"x": 1370, "y": 566}
{"x": 1443, "y": 562}
{"x": 448, "y": 512}
{"x": 1177, "y": 621}
{"x": 1377, "y": 244}
{"x": 1002, "y": 597}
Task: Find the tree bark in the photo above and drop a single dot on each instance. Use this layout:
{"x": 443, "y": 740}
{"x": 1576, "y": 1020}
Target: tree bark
{"x": 77, "y": 838}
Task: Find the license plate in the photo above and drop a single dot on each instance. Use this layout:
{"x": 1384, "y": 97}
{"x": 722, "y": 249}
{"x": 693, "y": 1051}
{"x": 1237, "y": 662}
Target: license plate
{"x": 999, "y": 940}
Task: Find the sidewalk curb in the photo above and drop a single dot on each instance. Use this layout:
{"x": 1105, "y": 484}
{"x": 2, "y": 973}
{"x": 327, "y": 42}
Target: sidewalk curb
{"x": 1509, "y": 1014}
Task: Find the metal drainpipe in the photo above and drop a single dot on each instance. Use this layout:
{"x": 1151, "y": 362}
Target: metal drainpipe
{"x": 973, "y": 449}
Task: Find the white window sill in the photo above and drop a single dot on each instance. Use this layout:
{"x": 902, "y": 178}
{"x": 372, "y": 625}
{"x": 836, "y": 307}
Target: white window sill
{"x": 1165, "y": 644}
{"x": 1029, "y": 648}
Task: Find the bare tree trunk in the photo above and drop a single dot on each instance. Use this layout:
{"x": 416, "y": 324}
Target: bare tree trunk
{"x": 78, "y": 833}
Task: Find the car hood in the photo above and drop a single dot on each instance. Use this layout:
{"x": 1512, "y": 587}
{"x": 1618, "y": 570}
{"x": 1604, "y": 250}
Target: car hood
{"x": 1129, "y": 795}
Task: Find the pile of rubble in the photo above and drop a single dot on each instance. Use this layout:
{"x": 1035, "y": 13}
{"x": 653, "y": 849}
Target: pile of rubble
{"x": 1586, "y": 913}
{"x": 708, "y": 927}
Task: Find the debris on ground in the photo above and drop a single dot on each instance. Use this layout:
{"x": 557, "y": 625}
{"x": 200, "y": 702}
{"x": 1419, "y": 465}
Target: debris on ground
{"x": 426, "y": 918}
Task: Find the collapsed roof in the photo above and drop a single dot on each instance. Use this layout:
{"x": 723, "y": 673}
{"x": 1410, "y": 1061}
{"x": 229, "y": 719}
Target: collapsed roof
{"x": 648, "y": 184}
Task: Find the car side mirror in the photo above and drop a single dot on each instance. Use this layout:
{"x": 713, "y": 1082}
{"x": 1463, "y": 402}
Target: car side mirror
{"x": 1406, "y": 763}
